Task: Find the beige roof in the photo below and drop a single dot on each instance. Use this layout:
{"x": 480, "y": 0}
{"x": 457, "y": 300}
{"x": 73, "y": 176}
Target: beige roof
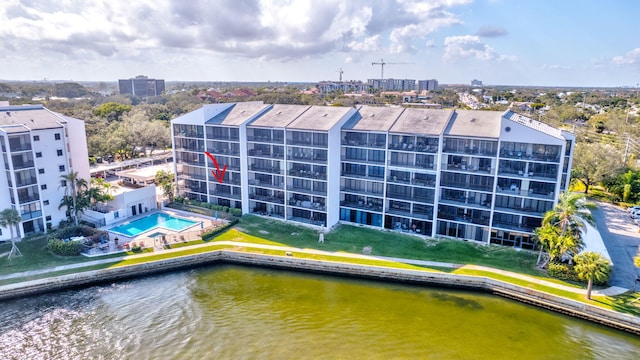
{"x": 534, "y": 124}
{"x": 242, "y": 112}
{"x": 280, "y": 115}
{"x": 372, "y": 118}
{"x": 422, "y": 121}
{"x": 320, "y": 118}
{"x": 28, "y": 117}
{"x": 475, "y": 123}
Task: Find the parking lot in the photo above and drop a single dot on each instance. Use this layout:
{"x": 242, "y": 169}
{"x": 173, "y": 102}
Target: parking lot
{"x": 621, "y": 238}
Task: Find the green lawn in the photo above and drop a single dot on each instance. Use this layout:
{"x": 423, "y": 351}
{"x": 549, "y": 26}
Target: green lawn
{"x": 35, "y": 256}
{"x": 353, "y": 239}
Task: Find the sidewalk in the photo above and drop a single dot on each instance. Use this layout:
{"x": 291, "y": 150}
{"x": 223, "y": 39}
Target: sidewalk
{"x": 611, "y": 291}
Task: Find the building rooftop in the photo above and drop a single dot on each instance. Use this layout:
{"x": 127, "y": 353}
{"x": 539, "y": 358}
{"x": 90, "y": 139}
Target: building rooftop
{"x": 534, "y": 124}
{"x": 280, "y": 115}
{"x": 238, "y": 113}
{"x": 28, "y": 117}
{"x": 371, "y": 118}
{"x": 422, "y": 121}
{"x": 321, "y": 118}
{"x": 475, "y": 123}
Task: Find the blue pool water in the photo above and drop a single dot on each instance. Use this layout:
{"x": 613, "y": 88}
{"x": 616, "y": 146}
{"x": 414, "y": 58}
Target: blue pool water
{"x": 157, "y": 220}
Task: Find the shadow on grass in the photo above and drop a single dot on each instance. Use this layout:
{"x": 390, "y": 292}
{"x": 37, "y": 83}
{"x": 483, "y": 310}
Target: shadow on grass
{"x": 628, "y": 303}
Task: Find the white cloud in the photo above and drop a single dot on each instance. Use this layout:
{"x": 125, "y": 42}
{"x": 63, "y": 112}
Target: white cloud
{"x": 467, "y": 46}
{"x": 630, "y": 58}
{"x": 265, "y": 29}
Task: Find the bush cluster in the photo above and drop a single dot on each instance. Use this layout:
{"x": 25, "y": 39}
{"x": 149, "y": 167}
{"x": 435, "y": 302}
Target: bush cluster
{"x": 208, "y": 235}
{"x": 562, "y": 271}
{"x": 69, "y": 248}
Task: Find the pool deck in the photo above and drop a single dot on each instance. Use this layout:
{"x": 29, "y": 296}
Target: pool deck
{"x": 118, "y": 242}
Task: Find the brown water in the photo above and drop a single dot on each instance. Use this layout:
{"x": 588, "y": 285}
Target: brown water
{"x": 232, "y": 312}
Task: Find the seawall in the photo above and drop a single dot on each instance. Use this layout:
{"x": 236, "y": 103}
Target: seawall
{"x": 570, "y": 307}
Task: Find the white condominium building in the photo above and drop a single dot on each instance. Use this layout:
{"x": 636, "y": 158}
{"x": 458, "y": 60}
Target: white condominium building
{"x": 484, "y": 176}
{"x": 38, "y": 147}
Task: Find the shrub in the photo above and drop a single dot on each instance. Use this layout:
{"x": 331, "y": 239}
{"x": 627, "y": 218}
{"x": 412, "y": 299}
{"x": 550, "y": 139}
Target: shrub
{"x": 235, "y": 212}
{"x": 69, "y": 248}
{"x": 562, "y": 271}
{"x": 208, "y": 235}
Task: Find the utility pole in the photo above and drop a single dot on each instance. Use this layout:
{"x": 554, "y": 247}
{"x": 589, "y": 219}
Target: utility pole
{"x": 626, "y": 150}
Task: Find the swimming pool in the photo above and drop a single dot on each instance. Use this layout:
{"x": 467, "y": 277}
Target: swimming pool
{"x": 153, "y": 221}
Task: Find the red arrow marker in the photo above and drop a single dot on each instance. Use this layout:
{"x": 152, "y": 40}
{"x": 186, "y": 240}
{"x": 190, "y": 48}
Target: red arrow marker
{"x": 219, "y": 175}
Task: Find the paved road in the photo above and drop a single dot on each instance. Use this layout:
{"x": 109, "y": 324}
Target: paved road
{"x": 621, "y": 239}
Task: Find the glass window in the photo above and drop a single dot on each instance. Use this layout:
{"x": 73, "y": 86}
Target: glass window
{"x": 57, "y": 136}
{"x": 59, "y": 151}
{"x": 36, "y": 137}
{"x": 61, "y": 168}
{"x": 43, "y": 186}
{"x": 40, "y": 171}
{"x": 38, "y": 154}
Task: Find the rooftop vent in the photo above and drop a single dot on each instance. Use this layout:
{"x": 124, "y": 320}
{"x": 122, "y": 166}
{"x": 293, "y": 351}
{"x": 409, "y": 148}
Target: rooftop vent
{"x": 473, "y": 120}
{"x": 279, "y": 112}
{"x": 8, "y": 113}
{"x": 372, "y": 115}
{"x": 325, "y": 115}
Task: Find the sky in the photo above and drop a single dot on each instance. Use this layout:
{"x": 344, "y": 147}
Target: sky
{"x": 590, "y": 43}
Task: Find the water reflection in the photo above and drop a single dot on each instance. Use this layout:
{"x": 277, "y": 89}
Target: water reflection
{"x": 236, "y": 312}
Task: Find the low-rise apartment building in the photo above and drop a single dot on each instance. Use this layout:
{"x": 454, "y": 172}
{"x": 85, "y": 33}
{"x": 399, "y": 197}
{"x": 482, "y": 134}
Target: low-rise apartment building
{"x": 483, "y": 176}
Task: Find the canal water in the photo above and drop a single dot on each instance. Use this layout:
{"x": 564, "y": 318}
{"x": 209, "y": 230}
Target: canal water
{"x": 234, "y": 312}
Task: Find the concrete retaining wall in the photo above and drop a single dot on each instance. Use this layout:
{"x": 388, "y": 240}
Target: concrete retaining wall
{"x": 606, "y": 317}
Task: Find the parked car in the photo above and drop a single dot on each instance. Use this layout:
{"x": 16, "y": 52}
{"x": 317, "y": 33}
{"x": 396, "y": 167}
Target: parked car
{"x": 633, "y": 208}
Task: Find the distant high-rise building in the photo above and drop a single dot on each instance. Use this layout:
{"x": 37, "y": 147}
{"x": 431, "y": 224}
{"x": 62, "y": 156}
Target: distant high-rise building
{"x": 429, "y": 85}
{"x": 392, "y": 84}
{"x": 141, "y": 86}
{"x": 476, "y": 82}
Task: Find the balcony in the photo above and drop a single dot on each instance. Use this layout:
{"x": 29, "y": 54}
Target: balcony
{"x": 463, "y": 185}
{"x": 513, "y": 226}
{"x": 22, "y": 165}
{"x": 266, "y": 184}
{"x": 361, "y": 205}
{"x": 271, "y": 199}
{"x": 26, "y": 182}
{"x": 519, "y": 210}
{"x": 465, "y": 201}
{"x": 309, "y": 158}
{"x": 478, "y": 220}
{"x": 266, "y": 169}
{"x": 19, "y": 147}
{"x": 28, "y": 198}
{"x": 227, "y": 195}
{"x": 308, "y": 174}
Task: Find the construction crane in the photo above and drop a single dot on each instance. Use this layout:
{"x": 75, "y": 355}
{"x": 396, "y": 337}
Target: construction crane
{"x": 340, "y": 72}
{"x": 382, "y": 64}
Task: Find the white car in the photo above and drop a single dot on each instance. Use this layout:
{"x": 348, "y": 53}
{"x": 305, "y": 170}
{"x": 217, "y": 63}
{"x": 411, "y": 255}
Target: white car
{"x": 633, "y": 208}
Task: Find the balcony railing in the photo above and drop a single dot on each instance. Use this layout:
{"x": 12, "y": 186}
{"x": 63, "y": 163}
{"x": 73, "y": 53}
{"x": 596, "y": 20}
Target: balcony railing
{"x": 361, "y": 205}
{"x": 462, "y": 185}
{"x": 482, "y": 220}
{"x": 22, "y": 165}
{"x": 26, "y": 182}
{"x": 272, "y": 199}
{"x": 308, "y": 174}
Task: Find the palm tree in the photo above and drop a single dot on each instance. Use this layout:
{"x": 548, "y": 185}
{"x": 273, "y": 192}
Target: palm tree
{"x": 165, "y": 179}
{"x": 591, "y": 266}
{"x": 10, "y": 218}
{"x": 74, "y": 186}
{"x": 570, "y": 217}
